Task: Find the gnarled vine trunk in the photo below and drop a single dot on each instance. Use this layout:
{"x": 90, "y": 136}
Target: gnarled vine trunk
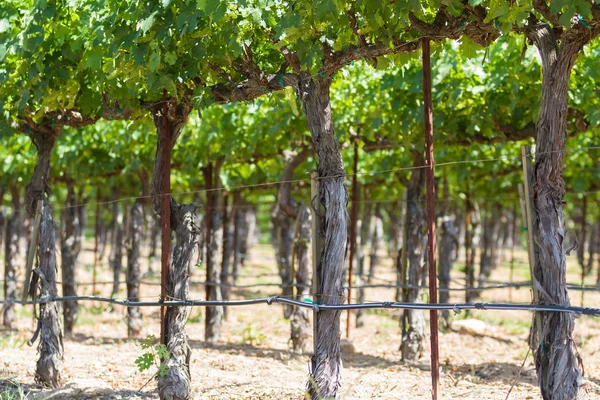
{"x": 413, "y": 322}
{"x": 154, "y": 235}
{"x": 448, "y": 252}
{"x": 376, "y": 242}
{"x": 395, "y": 229}
{"x": 238, "y": 222}
{"x": 169, "y": 118}
{"x": 136, "y": 223}
{"x": 227, "y": 233}
{"x": 49, "y": 366}
{"x": 177, "y": 383}
{"x": 326, "y": 364}
{"x": 300, "y": 322}
{"x": 214, "y": 314}
{"x": 363, "y": 240}
{"x": 557, "y": 365}
{"x": 118, "y": 241}
{"x": 11, "y": 252}
{"x": 283, "y": 218}
{"x": 70, "y": 247}
{"x": 489, "y": 243}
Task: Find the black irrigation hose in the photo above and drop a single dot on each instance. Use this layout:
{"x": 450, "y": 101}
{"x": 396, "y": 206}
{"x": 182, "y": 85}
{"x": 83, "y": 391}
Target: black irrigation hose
{"x": 318, "y": 307}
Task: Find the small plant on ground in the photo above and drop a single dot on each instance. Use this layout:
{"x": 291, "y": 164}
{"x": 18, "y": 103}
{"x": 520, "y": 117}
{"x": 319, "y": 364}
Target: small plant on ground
{"x": 11, "y": 390}
{"x": 252, "y": 335}
{"x": 156, "y": 355}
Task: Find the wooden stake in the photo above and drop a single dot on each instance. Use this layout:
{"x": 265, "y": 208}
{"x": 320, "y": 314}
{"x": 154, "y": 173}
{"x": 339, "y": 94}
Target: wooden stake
{"x": 530, "y": 216}
{"x": 431, "y": 239}
{"x": 165, "y": 219}
{"x": 316, "y": 250}
{"x": 353, "y": 220}
{"x": 32, "y": 250}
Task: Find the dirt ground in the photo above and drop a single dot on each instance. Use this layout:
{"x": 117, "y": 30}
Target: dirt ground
{"x": 254, "y": 360}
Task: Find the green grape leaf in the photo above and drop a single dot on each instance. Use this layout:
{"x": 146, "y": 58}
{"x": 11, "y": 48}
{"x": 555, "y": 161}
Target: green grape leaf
{"x": 145, "y": 361}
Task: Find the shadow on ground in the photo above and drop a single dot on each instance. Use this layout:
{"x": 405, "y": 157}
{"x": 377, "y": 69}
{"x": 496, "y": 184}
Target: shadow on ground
{"x": 89, "y": 389}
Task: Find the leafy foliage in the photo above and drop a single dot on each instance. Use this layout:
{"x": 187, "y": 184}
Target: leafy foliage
{"x": 157, "y": 355}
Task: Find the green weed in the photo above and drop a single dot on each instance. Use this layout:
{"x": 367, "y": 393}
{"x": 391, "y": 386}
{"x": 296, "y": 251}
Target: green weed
{"x": 156, "y": 355}
{"x": 252, "y": 335}
{"x": 15, "y": 391}
{"x": 12, "y": 342}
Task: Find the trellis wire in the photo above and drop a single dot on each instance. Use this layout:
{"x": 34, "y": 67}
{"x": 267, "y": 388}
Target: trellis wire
{"x": 319, "y": 307}
{"x": 493, "y": 286}
{"x": 273, "y": 183}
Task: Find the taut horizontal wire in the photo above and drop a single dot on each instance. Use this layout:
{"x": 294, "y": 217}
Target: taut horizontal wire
{"x": 272, "y": 183}
{"x": 320, "y": 307}
{"x": 496, "y": 285}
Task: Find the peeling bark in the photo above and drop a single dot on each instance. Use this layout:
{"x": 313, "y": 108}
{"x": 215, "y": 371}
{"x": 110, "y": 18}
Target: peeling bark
{"x": 557, "y": 362}
{"x": 70, "y": 248}
{"x": 136, "y": 223}
{"x": 49, "y": 366}
{"x": 169, "y": 118}
{"x": 326, "y": 364}
{"x": 11, "y": 251}
{"x": 413, "y": 322}
{"x": 177, "y": 383}
{"x": 300, "y": 322}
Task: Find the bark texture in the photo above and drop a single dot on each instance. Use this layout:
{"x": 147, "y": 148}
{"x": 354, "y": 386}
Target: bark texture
{"x": 489, "y": 243}
{"x": 448, "y": 253}
{"x": 136, "y": 223}
{"x": 169, "y": 118}
{"x": 376, "y": 242}
{"x": 300, "y": 322}
{"x": 177, "y": 383}
{"x": 70, "y": 248}
{"x": 363, "y": 240}
{"x": 283, "y": 218}
{"x": 49, "y": 366}
{"x": 395, "y": 230}
{"x": 227, "y": 251}
{"x": 11, "y": 252}
{"x": 471, "y": 241}
{"x": 214, "y": 238}
{"x": 557, "y": 362}
{"x": 326, "y": 364}
{"x": 118, "y": 242}
{"x": 154, "y": 239}
{"x": 238, "y": 229}
{"x": 413, "y": 322}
